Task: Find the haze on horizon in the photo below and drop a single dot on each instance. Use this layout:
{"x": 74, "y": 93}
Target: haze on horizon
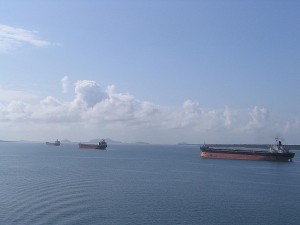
{"x": 151, "y": 71}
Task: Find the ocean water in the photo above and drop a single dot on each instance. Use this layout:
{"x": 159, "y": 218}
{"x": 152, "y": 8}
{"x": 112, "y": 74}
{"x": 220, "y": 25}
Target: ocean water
{"x": 143, "y": 184}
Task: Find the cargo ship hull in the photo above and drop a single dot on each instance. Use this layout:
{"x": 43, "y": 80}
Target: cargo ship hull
{"x": 245, "y": 155}
{"x": 91, "y": 146}
{"x": 53, "y": 143}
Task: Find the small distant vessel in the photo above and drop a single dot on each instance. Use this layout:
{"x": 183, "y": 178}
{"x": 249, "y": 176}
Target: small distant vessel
{"x": 277, "y": 152}
{"x": 55, "y": 143}
{"x": 102, "y": 145}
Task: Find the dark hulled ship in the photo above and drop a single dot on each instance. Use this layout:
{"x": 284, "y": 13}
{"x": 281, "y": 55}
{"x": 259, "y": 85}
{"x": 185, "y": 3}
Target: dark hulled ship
{"x": 55, "y": 143}
{"x": 102, "y": 145}
{"x": 277, "y": 152}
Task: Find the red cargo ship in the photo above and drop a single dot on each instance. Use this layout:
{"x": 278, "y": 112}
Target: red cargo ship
{"x": 276, "y": 152}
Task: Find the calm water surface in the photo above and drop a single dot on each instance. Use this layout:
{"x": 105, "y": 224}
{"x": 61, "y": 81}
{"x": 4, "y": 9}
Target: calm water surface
{"x": 142, "y": 184}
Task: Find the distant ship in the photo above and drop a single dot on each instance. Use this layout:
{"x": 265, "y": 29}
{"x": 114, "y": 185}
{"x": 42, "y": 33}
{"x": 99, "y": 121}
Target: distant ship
{"x": 102, "y": 145}
{"x": 277, "y": 152}
{"x": 56, "y": 143}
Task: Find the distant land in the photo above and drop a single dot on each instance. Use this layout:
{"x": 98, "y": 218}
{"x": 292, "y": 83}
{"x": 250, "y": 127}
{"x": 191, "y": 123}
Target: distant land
{"x": 65, "y": 141}
{"x": 6, "y": 141}
{"x": 183, "y": 143}
{"x": 110, "y": 141}
{"x": 141, "y": 143}
{"x": 263, "y": 146}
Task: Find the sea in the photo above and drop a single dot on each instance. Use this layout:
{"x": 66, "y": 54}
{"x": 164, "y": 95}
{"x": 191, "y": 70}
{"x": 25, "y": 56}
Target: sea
{"x": 142, "y": 184}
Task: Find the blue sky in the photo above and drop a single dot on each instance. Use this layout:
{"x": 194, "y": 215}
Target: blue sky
{"x": 154, "y": 71}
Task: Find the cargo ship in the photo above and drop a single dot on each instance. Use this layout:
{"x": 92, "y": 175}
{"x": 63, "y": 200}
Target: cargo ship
{"x": 56, "y": 143}
{"x": 102, "y": 145}
{"x": 277, "y": 152}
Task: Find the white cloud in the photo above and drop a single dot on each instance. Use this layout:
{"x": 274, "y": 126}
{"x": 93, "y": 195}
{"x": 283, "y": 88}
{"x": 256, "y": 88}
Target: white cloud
{"x": 13, "y": 37}
{"x": 88, "y": 93}
{"x": 16, "y": 111}
{"x": 16, "y": 95}
{"x": 65, "y": 84}
{"x": 122, "y": 115}
{"x": 51, "y": 110}
{"x": 119, "y": 107}
{"x": 292, "y": 125}
{"x": 228, "y": 117}
{"x": 50, "y": 102}
{"x": 259, "y": 118}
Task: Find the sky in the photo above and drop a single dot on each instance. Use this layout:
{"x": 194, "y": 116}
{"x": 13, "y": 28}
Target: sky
{"x": 156, "y": 71}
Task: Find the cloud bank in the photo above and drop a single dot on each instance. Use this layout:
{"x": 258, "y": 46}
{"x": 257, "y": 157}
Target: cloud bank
{"x": 12, "y": 38}
{"x": 7, "y": 95}
{"x": 95, "y": 111}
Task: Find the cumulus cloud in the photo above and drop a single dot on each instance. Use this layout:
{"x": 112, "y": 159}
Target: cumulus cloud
{"x": 65, "y": 84}
{"x": 188, "y": 115}
{"x": 191, "y": 115}
{"x": 51, "y": 110}
{"x": 259, "y": 117}
{"x": 88, "y": 93}
{"x": 16, "y": 95}
{"x": 292, "y": 125}
{"x": 94, "y": 108}
{"x": 118, "y": 107}
{"x": 15, "y": 111}
{"x": 13, "y": 37}
{"x": 228, "y": 117}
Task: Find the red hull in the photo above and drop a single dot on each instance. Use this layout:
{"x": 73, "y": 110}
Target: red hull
{"x": 241, "y": 156}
